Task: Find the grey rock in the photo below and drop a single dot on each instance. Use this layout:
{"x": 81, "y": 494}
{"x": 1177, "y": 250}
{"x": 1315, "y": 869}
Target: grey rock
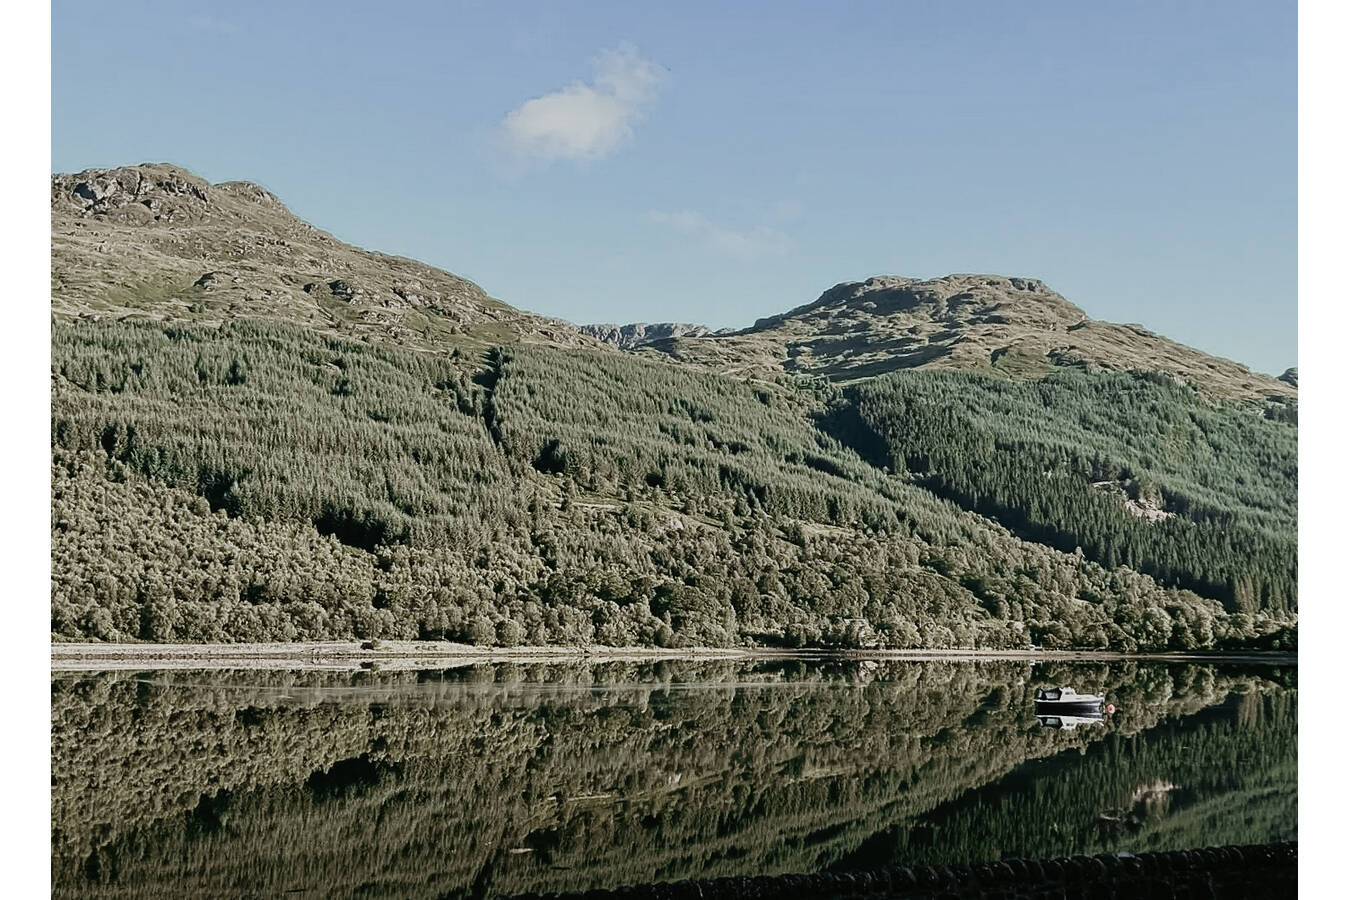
{"x": 627, "y": 337}
{"x": 342, "y": 290}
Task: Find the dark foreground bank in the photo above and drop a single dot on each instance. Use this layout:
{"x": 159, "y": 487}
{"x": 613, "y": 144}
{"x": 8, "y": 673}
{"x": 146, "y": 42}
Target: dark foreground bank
{"x": 1262, "y": 870}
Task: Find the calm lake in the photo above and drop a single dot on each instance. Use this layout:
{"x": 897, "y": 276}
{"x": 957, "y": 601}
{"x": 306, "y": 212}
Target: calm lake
{"x": 506, "y": 778}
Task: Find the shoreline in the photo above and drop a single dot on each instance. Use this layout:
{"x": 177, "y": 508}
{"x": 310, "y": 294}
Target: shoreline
{"x": 439, "y": 654}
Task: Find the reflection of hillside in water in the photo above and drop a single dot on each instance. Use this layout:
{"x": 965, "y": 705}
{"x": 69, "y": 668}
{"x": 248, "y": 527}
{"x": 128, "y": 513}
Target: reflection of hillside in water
{"x": 552, "y": 777}
{"x": 1226, "y": 774}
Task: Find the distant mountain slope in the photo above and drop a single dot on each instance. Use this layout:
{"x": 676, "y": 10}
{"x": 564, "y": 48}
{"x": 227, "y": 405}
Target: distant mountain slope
{"x": 1016, "y": 327}
{"x": 157, "y": 242}
{"x": 261, "y": 433}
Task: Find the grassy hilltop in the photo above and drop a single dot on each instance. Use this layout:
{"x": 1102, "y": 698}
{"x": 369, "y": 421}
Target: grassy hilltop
{"x": 262, "y": 433}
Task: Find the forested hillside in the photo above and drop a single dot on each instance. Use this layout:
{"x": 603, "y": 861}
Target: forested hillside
{"x": 1210, "y": 491}
{"x": 305, "y": 467}
{"x": 259, "y": 482}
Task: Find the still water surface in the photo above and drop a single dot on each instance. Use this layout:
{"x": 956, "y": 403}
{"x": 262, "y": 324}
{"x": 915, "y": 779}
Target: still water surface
{"x": 499, "y": 779}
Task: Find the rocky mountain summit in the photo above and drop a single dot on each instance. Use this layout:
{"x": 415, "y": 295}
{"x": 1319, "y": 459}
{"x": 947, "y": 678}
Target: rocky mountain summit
{"x": 628, "y": 337}
{"x": 157, "y": 242}
{"x": 1015, "y": 327}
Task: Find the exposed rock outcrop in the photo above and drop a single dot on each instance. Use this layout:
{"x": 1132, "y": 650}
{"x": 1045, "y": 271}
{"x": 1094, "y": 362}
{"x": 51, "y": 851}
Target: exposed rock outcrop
{"x": 626, "y": 337}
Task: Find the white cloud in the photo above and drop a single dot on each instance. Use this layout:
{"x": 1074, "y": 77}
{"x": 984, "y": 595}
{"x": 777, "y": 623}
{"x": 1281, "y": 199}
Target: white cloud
{"x": 751, "y": 243}
{"x": 584, "y": 120}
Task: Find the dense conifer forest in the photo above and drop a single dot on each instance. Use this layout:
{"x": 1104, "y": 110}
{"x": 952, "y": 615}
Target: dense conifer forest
{"x": 1214, "y": 489}
{"x": 500, "y": 779}
{"x": 259, "y": 482}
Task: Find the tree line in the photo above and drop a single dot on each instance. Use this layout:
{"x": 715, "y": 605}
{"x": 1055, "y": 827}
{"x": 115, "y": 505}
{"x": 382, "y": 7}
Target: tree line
{"x": 258, "y": 481}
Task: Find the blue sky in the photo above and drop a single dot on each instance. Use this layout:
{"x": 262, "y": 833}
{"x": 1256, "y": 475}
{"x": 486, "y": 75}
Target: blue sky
{"x": 720, "y": 162}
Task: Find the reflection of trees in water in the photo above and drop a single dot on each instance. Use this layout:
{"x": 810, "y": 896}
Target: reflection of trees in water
{"x": 1249, "y": 710}
{"x": 1225, "y": 775}
{"x": 557, "y": 777}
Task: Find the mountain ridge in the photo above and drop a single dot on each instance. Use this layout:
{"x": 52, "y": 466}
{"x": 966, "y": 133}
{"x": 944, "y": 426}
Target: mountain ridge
{"x": 155, "y": 241}
{"x": 1011, "y": 326}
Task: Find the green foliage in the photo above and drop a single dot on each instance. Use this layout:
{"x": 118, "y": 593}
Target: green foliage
{"x": 370, "y": 444}
{"x": 1061, "y": 461}
{"x": 262, "y": 482}
{"x": 612, "y": 424}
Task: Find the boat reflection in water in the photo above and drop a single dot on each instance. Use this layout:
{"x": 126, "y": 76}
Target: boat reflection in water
{"x": 1068, "y": 723}
{"x": 1065, "y": 708}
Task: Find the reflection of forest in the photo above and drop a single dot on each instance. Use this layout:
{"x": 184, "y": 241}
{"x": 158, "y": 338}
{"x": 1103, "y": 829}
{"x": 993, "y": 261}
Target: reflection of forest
{"x": 557, "y": 777}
